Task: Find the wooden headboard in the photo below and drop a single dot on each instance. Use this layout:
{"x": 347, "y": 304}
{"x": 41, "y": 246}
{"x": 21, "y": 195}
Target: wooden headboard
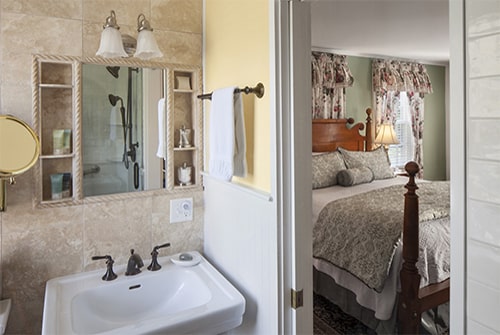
{"x": 329, "y": 134}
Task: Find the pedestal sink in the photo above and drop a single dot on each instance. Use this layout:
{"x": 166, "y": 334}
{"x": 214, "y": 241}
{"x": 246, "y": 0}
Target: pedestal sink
{"x": 180, "y": 298}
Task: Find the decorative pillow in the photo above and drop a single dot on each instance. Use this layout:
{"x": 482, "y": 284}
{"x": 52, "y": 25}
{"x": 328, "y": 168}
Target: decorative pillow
{"x": 355, "y": 176}
{"x": 376, "y": 160}
{"x": 325, "y": 168}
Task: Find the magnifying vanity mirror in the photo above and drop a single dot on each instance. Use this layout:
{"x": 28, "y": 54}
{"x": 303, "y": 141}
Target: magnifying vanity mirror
{"x": 19, "y": 150}
{"x": 125, "y": 118}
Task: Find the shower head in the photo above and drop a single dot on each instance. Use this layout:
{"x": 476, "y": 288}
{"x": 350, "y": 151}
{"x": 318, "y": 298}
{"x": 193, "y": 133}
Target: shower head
{"x": 113, "y": 70}
{"x": 113, "y": 99}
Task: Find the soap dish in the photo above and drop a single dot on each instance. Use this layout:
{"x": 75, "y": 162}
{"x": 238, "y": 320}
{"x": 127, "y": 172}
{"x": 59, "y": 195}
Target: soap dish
{"x": 186, "y": 259}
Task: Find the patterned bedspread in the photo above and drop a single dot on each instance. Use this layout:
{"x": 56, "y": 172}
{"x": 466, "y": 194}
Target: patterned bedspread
{"x": 359, "y": 234}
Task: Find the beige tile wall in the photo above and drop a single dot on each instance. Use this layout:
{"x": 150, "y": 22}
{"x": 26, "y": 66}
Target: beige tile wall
{"x": 39, "y": 244}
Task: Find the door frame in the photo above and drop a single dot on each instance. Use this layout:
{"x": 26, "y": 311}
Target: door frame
{"x": 458, "y": 156}
{"x": 293, "y": 175}
{"x": 292, "y": 34}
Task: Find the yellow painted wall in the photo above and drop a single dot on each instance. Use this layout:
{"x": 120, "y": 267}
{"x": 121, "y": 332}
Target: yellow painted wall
{"x": 237, "y": 54}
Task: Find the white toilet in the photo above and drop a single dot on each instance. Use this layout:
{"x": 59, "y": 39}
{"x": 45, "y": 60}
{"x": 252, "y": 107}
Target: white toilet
{"x": 4, "y": 314}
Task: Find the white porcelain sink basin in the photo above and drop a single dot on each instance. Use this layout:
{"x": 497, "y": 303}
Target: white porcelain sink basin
{"x": 173, "y": 300}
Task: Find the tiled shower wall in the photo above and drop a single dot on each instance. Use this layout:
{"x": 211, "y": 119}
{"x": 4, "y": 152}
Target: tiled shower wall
{"x": 483, "y": 166}
{"x": 39, "y": 244}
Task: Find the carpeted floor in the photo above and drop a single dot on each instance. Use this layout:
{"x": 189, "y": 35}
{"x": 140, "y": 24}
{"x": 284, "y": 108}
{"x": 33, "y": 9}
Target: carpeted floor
{"x": 330, "y": 320}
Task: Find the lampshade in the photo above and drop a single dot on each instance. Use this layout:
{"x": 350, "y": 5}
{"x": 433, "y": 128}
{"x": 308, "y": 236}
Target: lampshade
{"x": 146, "y": 44}
{"x": 111, "y": 45}
{"x": 386, "y": 135}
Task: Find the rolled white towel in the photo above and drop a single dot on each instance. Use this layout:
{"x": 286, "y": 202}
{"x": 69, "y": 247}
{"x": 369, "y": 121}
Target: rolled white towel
{"x": 114, "y": 122}
{"x": 161, "y": 128}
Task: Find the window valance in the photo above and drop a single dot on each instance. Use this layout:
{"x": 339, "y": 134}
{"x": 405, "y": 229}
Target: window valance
{"x": 330, "y": 71}
{"x": 394, "y": 75}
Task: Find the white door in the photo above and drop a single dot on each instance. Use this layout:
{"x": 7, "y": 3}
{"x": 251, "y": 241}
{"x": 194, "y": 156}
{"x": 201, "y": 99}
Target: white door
{"x": 293, "y": 124}
{"x": 482, "y": 166}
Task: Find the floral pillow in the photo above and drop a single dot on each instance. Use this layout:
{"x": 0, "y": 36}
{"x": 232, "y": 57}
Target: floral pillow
{"x": 355, "y": 176}
{"x": 325, "y": 168}
{"x": 376, "y": 160}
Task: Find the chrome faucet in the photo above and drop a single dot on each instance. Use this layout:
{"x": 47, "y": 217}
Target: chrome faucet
{"x": 134, "y": 265}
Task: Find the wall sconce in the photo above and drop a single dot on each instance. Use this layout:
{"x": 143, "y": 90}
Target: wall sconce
{"x": 111, "y": 45}
{"x": 386, "y": 135}
{"x": 146, "y": 42}
{"x": 112, "y": 42}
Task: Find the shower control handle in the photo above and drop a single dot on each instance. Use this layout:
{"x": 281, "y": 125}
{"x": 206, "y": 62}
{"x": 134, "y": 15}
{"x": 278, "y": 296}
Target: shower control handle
{"x": 132, "y": 153}
{"x": 136, "y": 175}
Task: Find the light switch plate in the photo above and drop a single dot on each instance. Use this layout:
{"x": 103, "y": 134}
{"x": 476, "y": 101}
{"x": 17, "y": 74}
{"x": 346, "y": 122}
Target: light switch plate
{"x": 181, "y": 210}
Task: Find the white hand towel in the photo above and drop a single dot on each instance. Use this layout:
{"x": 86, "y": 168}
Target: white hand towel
{"x": 114, "y": 122}
{"x": 161, "y": 128}
{"x": 240, "y": 147}
{"x": 227, "y": 135}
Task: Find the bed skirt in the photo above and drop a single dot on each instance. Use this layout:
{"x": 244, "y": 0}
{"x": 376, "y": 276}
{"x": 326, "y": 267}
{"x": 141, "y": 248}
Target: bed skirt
{"x": 433, "y": 322}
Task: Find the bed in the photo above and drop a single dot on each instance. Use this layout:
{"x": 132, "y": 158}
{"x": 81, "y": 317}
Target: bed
{"x": 388, "y": 287}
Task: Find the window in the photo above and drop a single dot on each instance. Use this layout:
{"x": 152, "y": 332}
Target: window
{"x": 400, "y": 154}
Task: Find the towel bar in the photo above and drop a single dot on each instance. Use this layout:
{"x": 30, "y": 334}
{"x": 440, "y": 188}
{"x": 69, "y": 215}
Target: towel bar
{"x": 257, "y": 90}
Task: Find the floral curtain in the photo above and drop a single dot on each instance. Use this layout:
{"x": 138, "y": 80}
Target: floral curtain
{"x": 390, "y": 77}
{"x": 393, "y": 75}
{"x": 330, "y": 76}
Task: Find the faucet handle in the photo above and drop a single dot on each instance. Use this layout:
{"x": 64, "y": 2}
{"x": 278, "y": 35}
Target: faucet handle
{"x": 161, "y": 246}
{"x": 154, "y": 266}
{"x": 109, "y": 275}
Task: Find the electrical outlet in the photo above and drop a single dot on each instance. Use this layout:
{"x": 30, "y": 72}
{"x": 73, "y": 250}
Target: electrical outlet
{"x": 181, "y": 210}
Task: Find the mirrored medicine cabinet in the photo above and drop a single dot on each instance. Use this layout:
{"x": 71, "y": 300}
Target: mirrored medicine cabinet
{"x": 114, "y": 128}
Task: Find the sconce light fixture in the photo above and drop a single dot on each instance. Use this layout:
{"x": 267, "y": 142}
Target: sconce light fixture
{"x": 146, "y": 42}
{"x": 386, "y": 135}
{"x": 111, "y": 45}
{"x": 112, "y": 42}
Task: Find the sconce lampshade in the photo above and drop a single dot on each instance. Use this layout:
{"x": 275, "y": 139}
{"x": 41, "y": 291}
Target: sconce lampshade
{"x": 146, "y": 43}
{"x": 386, "y": 135}
{"x": 111, "y": 45}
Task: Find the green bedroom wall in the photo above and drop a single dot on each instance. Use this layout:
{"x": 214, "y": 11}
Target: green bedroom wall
{"x": 359, "y": 97}
{"x": 435, "y": 125}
